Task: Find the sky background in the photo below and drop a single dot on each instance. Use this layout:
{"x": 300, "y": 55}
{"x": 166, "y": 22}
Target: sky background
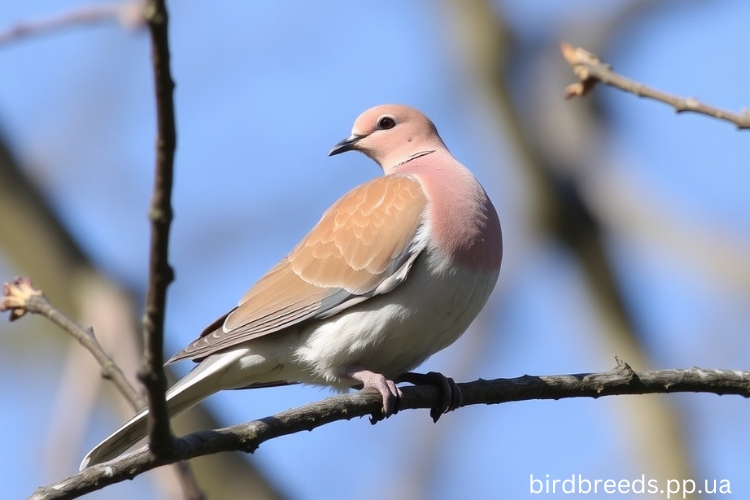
{"x": 264, "y": 89}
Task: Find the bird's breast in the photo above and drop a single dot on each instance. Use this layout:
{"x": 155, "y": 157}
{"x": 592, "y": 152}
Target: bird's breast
{"x": 462, "y": 221}
{"x": 395, "y": 332}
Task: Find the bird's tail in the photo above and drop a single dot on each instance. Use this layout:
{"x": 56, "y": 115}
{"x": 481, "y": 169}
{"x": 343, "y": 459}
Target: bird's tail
{"x": 203, "y": 381}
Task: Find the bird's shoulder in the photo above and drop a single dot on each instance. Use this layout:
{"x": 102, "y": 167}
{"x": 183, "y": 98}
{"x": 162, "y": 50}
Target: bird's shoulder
{"x": 360, "y": 237}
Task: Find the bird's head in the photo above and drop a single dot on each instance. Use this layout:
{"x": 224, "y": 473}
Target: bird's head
{"x": 391, "y": 134}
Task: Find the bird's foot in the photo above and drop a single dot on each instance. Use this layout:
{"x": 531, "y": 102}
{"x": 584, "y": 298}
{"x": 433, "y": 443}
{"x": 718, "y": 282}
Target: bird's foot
{"x": 451, "y": 393}
{"x": 387, "y": 388}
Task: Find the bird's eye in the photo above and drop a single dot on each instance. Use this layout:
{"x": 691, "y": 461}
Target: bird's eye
{"x": 386, "y": 122}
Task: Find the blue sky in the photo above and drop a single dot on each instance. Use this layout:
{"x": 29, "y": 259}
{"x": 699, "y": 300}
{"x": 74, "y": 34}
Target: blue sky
{"x": 264, "y": 89}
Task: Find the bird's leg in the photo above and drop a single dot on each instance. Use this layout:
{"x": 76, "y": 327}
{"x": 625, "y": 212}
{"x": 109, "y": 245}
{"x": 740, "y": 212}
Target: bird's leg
{"x": 449, "y": 389}
{"x": 387, "y": 388}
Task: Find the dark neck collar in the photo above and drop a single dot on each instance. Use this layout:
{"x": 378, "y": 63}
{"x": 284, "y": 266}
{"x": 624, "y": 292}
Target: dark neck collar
{"x": 414, "y": 157}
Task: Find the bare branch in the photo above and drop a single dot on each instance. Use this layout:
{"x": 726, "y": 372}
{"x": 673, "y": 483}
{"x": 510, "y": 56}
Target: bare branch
{"x": 129, "y": 14}
{"x": 160, "y": 272}
{"x": 589, "y": 69}
{"x": 20, "y": 297}
{"x": 249, "y": 436}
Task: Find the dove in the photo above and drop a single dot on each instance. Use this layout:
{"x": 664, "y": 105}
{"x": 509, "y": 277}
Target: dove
{"x": 395, "y": 271}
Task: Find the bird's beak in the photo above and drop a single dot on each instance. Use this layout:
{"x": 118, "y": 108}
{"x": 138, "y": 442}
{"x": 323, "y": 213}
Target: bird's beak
{"x": 346, "y": 145}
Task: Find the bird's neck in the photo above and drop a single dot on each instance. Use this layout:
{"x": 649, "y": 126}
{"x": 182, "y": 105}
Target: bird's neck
{"x": 414, "y": 157}
{"x": 464, "y": 223}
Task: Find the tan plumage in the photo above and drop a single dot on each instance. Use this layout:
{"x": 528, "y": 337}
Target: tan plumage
{"x": 354, "y": 252}
{"x": 395, "y": 271}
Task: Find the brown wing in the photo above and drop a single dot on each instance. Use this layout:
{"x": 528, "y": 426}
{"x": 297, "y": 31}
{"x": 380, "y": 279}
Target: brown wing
{"x": 363, "y": 246}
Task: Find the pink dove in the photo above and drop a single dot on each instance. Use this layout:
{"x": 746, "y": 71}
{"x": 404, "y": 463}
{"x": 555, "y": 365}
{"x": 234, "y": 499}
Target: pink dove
{"x": 393, "y": 272}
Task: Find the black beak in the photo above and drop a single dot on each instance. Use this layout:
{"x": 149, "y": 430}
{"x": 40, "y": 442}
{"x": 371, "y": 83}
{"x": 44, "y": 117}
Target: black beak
{"x": 345, "y": 145}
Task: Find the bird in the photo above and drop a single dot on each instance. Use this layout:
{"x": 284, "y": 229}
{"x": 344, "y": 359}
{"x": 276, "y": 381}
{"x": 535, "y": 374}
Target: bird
{"x": 395, "y": 271}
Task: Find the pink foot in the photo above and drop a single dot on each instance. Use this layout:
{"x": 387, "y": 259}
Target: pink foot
{"x": 387, "y": 388}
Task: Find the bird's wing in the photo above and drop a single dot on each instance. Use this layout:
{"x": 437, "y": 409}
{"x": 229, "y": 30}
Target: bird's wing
{"x": 363, "y": 246}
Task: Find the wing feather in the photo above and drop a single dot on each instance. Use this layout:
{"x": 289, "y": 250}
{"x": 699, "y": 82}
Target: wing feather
{"x": 364, "y": 241}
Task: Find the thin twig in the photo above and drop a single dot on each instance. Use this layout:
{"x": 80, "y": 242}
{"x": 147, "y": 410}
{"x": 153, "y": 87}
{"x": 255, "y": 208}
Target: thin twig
{"x": 589, "y": 69}
{"x": 160, "y": 273}
{"x": 129, "y": 14}
{"x": 20, "y": 297}
{"x": 249, "y": 436}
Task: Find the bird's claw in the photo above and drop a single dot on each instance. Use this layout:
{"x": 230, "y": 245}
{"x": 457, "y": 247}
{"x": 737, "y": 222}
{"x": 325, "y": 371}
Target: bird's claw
{"x": 391, "y": 398}
{"x": 452, "y": 396}
{"x": 450, "y": 392}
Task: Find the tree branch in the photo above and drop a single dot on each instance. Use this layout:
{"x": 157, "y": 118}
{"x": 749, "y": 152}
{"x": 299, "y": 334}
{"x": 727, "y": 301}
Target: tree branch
{"x": 589, "y": 69}
{"x": 160, "y": 272}
{"x": 249, "y": 436}
{"x": 129, "y": 14}
{"x": 20, "y": 297}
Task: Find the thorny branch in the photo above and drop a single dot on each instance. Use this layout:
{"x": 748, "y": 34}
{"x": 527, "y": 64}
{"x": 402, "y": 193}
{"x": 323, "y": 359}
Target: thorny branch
{"x": 249, "y": 436}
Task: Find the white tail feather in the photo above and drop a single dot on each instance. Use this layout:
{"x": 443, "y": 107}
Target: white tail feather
{"x": 188, "y": 392}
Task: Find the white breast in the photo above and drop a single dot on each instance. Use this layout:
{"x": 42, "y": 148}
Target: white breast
{"x": 395, "y": 332}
